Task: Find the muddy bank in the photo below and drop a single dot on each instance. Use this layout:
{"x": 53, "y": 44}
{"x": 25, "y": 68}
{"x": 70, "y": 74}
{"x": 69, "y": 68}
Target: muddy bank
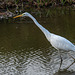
{"x": 6, "y": 15}
{"x": 20, "y": 6}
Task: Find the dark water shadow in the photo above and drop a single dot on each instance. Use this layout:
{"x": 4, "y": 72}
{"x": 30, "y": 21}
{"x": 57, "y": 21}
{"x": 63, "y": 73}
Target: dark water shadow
{"x": 65, "y": 73}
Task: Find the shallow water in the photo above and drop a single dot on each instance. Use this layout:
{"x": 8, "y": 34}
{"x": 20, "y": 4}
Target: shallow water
{"x": 24, "y": 50}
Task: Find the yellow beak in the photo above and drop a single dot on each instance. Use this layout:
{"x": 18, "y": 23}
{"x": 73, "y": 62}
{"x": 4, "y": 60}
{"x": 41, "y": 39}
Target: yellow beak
{"x": 17, "y": 16}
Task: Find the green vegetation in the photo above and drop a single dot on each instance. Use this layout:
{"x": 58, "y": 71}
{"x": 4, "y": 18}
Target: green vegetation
{"x": 35, "y": 3}
{"x": 19, "y": 6}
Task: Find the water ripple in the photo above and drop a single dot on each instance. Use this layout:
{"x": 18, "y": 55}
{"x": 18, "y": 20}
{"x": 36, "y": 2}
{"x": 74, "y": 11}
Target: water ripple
{"x": 33, "y": 62}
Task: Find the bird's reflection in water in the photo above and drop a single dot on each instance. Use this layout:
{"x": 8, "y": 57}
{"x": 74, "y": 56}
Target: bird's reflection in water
{"x": 33, "y": 61}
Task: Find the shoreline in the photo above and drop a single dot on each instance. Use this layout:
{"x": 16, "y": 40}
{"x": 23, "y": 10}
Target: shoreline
{"x": 34, "y": 3}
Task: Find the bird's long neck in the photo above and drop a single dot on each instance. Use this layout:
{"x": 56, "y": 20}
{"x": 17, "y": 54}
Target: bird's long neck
{"x": 45, "y": 31}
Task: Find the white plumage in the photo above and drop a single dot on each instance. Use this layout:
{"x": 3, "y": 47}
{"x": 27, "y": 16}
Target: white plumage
{"x": 58, "y": 42}
{"x": 61, "y": 43}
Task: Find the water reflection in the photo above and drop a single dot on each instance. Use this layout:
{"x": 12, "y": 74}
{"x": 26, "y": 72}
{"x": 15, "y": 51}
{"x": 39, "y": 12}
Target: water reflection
{"x": 33, "y": 62}
{"x": 24, "y": 49}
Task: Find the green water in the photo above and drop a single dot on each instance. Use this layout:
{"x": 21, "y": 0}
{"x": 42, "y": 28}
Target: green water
{"x": 24, "y": 50}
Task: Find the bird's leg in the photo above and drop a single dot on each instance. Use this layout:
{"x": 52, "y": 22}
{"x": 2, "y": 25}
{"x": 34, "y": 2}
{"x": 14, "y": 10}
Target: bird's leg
{"x": 60, "y": 58}
{"x": 71, "y": 63}
{"x": 71, "y": 56}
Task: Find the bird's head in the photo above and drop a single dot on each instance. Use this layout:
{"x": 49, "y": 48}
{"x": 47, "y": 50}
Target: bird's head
{"x": 22, "y": 15}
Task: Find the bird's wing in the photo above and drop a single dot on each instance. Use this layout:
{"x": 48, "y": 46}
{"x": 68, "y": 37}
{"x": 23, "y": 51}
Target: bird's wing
{"x": 61, "y": 43}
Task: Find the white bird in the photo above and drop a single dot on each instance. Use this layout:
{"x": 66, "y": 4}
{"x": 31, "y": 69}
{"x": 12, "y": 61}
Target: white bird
{"x": 58, "y": 42}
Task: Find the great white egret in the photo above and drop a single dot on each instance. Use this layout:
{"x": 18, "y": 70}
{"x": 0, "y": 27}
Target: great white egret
{"x": 58, "y": 42}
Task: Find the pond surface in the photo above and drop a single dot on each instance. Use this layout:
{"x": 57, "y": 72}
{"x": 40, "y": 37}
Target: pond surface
{"x": 24, "y": 50}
